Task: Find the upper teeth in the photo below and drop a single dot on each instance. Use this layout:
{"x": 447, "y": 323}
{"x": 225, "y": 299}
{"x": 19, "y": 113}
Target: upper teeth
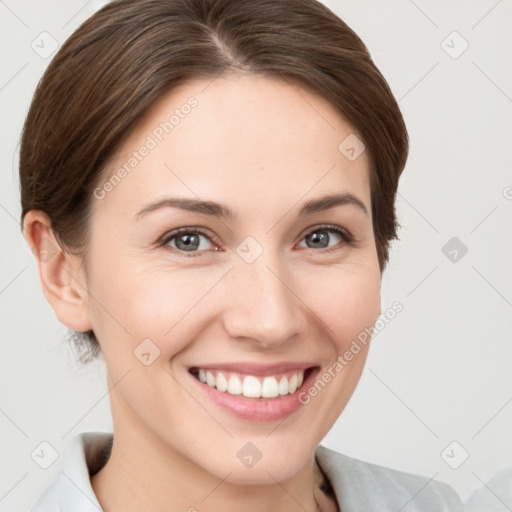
{"x": 250, "y": 386}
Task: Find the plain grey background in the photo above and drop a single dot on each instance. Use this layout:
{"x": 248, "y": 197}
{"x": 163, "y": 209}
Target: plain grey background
{"x": 437, "y": 385}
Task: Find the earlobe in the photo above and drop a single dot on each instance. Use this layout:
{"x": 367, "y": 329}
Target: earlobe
{"x": 61, "y": 275}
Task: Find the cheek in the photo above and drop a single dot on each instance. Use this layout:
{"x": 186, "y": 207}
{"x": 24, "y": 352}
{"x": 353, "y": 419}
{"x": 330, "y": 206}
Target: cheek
{"x": 155, "y": 301}
{"x": 347, "y": 300}
{"x": 137, "y": 301}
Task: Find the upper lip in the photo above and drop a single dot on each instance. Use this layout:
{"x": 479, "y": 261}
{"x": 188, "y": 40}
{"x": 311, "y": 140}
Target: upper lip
{"x": 257, "y": 369}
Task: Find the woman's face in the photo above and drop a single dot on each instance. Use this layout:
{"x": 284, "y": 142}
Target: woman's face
{"x": 269, "y": 291}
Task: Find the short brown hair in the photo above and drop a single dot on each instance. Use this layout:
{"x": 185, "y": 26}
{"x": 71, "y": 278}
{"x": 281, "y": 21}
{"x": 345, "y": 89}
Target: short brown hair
{"x": 131, "y": 52}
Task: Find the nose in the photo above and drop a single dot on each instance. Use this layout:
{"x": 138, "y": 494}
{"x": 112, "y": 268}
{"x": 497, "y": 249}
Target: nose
{"x": 261, "y": 304}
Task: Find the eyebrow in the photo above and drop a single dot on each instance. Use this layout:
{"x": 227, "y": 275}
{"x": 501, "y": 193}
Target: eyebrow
{"x": 215, "y": 209}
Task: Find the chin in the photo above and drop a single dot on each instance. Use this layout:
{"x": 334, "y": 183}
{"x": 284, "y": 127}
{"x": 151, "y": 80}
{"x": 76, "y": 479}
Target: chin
{"x": 250, "y": 466}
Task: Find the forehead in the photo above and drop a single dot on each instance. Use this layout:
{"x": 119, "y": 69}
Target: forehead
{"x": 232, "y": 138}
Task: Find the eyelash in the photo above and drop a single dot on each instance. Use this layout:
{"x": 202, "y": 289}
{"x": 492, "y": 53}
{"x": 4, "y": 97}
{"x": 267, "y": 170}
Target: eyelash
{"x": 347, "y": 237}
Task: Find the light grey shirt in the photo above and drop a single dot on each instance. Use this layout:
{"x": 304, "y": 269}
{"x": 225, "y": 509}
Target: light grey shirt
{"x": 359, "y": 486}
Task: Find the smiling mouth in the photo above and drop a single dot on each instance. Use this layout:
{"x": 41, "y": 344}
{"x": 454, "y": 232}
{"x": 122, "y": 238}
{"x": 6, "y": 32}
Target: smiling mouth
{"x": 250, "y": 386}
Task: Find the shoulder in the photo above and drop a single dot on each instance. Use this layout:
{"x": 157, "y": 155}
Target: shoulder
{"x": 71, "y": 487}
{"x": 360, "y": 485}
{"x": 497, "y": 500}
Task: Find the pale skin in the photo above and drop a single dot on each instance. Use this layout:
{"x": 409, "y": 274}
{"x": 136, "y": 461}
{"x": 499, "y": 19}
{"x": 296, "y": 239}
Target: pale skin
{"x": 263, "y": 148}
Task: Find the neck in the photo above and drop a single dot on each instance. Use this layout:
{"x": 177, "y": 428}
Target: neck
{"x": 139, "y": 476}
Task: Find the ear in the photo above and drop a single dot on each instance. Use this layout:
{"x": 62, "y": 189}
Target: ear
{"x": 61, "y": 273}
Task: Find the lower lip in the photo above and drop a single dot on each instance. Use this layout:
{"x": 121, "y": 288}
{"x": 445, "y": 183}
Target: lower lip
{"x": 257, "y": 409}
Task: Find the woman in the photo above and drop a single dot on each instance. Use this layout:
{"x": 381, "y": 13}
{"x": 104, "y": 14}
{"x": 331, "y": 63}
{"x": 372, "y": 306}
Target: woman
{"x": 209, "y": 187}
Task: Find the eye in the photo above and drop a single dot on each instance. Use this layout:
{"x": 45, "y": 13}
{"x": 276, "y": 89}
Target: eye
{"x": 187, "y": 240}
{"x": 196, "y": 240}
{"x": 322, "y": 236}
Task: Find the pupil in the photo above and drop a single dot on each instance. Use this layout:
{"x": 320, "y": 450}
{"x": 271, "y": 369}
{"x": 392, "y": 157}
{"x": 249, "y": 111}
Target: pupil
{"x": 319, "y": 238}
{"x": 187, "y": 242}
